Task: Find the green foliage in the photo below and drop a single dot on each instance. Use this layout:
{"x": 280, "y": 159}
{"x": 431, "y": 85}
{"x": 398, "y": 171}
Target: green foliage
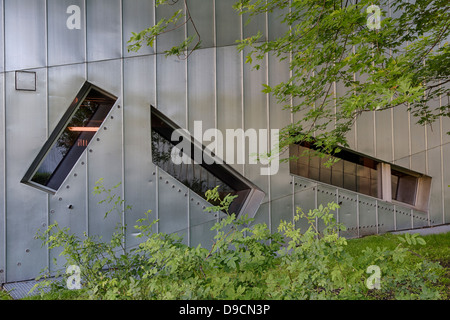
{"x": 245, "y": 261}
{"x": 405, "y": 62}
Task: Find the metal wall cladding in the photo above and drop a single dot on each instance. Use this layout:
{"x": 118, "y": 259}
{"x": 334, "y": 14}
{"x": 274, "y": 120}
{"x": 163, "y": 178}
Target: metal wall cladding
{"x": 104, "y": 29}
{"x": 26, "y": 208}
{"x": 137, "y": 15}
{"x": 213, "y": 85}
{"x": 66, "y": 43}
{"x": 2, "y": 184}
{"x": 25, "y": 34}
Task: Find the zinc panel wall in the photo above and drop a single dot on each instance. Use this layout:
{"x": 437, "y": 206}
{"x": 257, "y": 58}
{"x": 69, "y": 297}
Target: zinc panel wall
{"x": 25, "y": 34}
{"x": 139, "y": 172}
{"x": 65, "y": 46}
{"x": 104, "y": 29}
{"x": 137, "y": 15}
{"x": 2, "y": 183}
{"x": 26, "y": 208}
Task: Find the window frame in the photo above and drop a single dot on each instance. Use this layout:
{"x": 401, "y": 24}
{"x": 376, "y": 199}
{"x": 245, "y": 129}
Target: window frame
{"x": 384, "y": 180}
{"x": 249, "y": 197}
{"x": 58, "y": 131}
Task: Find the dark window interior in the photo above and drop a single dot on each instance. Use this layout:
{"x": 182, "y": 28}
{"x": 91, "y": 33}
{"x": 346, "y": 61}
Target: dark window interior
{"x": 351, "y": 171}
{"x": 197, "y": 177}
{"x": 71, "y": 137}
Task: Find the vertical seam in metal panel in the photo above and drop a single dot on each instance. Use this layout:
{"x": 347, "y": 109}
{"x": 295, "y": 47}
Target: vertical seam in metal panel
{"x": 48, "y": 115}
{"x": 242, "y": 84}
{"x": 4, "y": 146}
{"x": 374, "y": 133}
{"x": 292, "y": 121}
{"x": 392, "y": 135}
{"x": 409, "y": 138}
{"x": 155, "y": 78}
{"x": 215, "y": 64}
{"x": 155, "y": 62}
{"x": 186, "y": 68}
{"x": 316, "y": 200}
{"x": 86, "y": 74}
{"x": 442, "y": 166}
{"x": 85, "y": 38}
{"x": 337, "y": 211}
{"x": 269, "y": 136}
{"x": 122, "y": 117}
{"x": 357, "y": 214}
{"x": 157, "y": 198}
{"x": 395, "y": 217}
{"x": 188, "y": 218}
{"x": 376, "y": 215}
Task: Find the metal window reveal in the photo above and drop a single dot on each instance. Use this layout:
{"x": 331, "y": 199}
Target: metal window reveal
{"x": 83, "y": 119}
{"x": 203, "y": 176}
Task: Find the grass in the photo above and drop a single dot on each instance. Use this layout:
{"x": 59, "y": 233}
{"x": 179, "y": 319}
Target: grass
{"x": 437, "y": 249}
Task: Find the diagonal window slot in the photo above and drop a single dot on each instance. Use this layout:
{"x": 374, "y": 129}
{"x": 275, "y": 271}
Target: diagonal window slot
{"x": 203, "y": 176}
{"x": 70, "y": 138}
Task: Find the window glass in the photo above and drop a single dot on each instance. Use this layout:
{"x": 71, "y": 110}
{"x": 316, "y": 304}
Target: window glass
{"x": 194, "y": 176}
{"x": 353, "y": 172}
{"x": 73, "y": 140}
{"x": 405, "y": 187}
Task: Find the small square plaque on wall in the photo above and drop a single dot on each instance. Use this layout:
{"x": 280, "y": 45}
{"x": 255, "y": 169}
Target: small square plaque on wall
{"x": 26, "y": 80}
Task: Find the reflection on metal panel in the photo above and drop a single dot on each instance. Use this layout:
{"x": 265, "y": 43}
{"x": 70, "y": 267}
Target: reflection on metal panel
{"x": 65, "y": 45}
{"x": 24, "y": 34}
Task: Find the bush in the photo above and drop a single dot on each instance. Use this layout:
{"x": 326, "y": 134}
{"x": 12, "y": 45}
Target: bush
{"x": 246, "y": 261}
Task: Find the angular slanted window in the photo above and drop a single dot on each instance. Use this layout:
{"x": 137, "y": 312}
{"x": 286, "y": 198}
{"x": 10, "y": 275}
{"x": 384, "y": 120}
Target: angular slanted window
{"x": 200, "y": 177}
{"x": 70, "y": 138}
{"x": 362, "y": 174}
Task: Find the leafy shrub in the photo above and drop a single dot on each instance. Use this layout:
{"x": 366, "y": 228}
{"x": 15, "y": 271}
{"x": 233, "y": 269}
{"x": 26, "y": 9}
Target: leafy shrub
{"x": 246, "y": 261}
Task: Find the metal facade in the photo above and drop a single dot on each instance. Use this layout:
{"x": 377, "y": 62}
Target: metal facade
{"x": 214, "y": 85}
